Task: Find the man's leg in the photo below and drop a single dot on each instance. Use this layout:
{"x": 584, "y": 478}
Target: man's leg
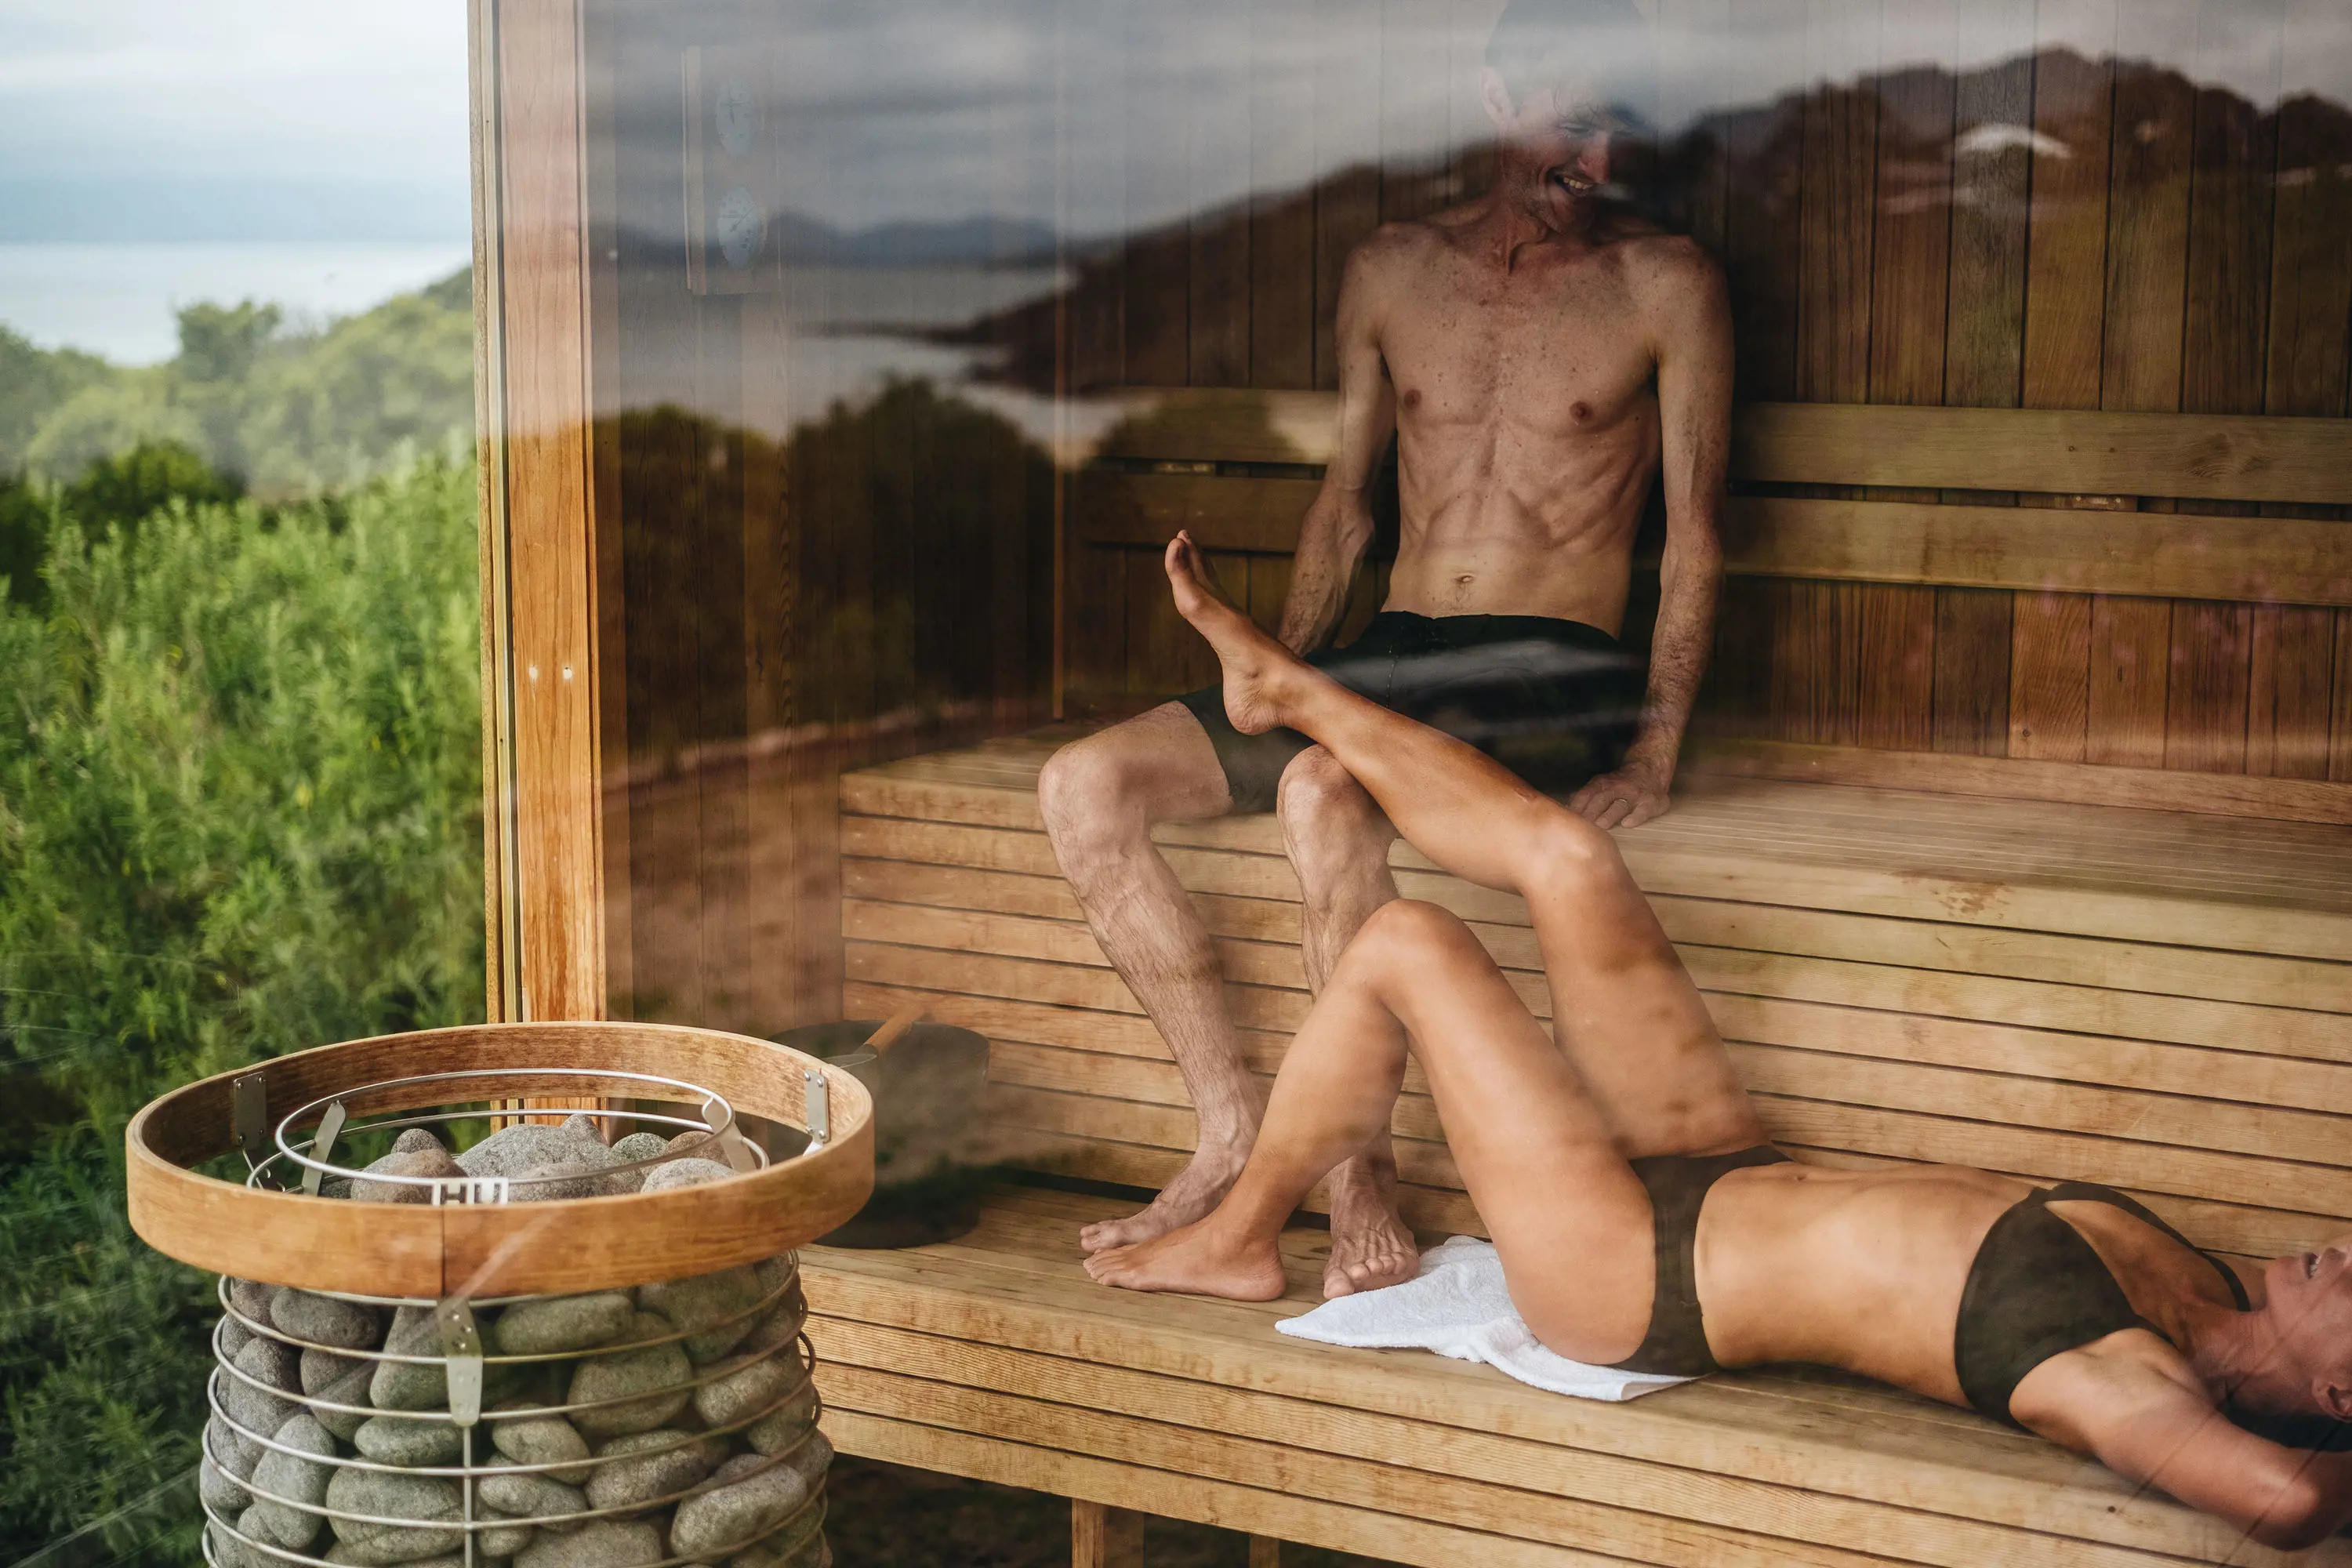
{"x": 1339, "y": 843}
{"x": 1100, "y": 797}
{"x": 1625, "y": 1010}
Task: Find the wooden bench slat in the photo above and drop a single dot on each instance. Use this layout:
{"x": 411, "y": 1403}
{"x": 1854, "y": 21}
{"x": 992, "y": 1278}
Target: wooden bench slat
{"x": 2088, "y": 784}
{"x": 2218, "y": 456}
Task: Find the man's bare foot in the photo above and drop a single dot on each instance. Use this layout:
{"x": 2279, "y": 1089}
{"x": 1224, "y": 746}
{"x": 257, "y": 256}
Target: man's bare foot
{"x": 1370, "y": 1245}
{"x": 1198, "y": 1260}
{"x": 1250, "y": 657}
{"x": 1199, "y": 1187}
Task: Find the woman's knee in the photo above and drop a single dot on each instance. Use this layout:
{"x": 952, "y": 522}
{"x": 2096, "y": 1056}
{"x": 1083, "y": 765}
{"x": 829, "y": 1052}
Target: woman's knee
{"x": 1563, "y": 852}
{"x": 1402, "y": 938}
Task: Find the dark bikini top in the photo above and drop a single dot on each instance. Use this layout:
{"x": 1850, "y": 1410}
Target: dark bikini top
{"x": 2037, "y": 1290}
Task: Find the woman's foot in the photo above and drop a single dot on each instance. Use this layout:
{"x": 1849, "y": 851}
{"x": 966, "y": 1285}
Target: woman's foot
{"x": 1253, "y": 661}
{"x": 1198, "y": 1260}
{"x": 1198, "y": 1188}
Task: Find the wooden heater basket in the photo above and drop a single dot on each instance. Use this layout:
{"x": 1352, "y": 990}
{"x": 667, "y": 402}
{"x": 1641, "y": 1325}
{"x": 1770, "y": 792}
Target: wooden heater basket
{"x": 433, "y": 1250}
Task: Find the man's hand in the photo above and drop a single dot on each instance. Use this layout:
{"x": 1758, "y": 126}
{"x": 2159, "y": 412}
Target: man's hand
{"x": 1627, "y": 798}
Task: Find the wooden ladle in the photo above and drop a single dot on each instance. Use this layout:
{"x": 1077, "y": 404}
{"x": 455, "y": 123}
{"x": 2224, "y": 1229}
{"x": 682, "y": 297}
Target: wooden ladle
{"x": 897, "y": 1025}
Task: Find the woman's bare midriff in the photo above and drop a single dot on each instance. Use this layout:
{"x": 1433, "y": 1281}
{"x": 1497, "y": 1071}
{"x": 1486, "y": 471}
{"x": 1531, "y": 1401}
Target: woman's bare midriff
{"x": 1858, "y": 1269}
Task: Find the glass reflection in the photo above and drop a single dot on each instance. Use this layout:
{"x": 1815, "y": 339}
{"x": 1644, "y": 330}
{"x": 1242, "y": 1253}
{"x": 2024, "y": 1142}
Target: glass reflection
{"x": 841, "y": 483}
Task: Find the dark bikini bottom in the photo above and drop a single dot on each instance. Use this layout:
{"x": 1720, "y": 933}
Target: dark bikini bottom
{"x": 1676, "y": 1345}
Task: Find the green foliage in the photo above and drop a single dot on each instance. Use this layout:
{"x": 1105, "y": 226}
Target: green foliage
{"x": 288, "y": 413}
{"x": 239, "y": 797}
{"x": 101, "y": 1356}
{"x": 239, "y": 813}
{"x": 33, "y": 383}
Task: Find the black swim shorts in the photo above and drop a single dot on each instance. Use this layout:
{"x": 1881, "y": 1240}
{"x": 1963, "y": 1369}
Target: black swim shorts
{"x": 1556, "y": 702}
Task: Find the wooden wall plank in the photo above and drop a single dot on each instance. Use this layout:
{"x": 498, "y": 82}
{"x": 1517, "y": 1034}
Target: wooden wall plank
{"x": 2066, "y": 246}
{"x": 2292, "y": 670}
{"x": 1764, "y": 151}
{"x": 2311, "y": 289}
{"x": 1973, "y": 632}
{"x": 1912, "y": 202}
{"x": 1282, "y": 174}
{"x": 1093, "y": 146}
{"x": 1158, "y": 191}
{"x": 1218, "y": 178}
{"x": 2147, "y": 219}
{"x": 2309, "y": 345}
{"x": 1834, "y": 218}
{"x": 2048, "y": 685}
{"x": 1984, "y": 354}
{"x": 2339, "y": 727}
{"x": 1414, "y": 62}
{"x": 2205, "y": 708}
{"x": 1992, "y": 190}
{"x": 2234, "y": 162}
{"x": 2221, "y": 457}
{"x": 1346, "y": 155}
{"x": 2130, "y": 667}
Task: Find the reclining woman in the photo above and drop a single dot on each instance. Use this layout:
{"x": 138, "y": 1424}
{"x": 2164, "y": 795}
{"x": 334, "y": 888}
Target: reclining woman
{"x": 1644, "y": 1220}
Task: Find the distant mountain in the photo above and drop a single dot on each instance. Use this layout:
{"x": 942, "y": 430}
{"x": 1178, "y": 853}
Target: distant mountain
{"x": 954, "y": 242}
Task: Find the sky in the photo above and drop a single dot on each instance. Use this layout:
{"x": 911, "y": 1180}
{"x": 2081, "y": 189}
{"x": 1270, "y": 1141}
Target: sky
{"x": 260, "y": 119}
{"x": 180, "y": 120}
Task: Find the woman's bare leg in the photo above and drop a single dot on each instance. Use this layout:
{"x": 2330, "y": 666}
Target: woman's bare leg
{"x": 1570, "y": 1219}
{"x": 1625, "y": 1010}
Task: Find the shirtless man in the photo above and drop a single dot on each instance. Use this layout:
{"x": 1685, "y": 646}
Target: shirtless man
{"x": 1540, "y": 355}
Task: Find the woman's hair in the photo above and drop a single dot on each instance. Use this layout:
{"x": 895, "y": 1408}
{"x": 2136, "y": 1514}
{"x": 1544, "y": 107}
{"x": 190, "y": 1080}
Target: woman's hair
{"x": 2306, "y": 1429}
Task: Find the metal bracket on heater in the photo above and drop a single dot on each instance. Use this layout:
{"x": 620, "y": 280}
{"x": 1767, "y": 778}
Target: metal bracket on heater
{"x": 732, "y": 1145}
{"x": 248, "y": 1107}
{"x": 323, "y": 1146}
{"x": 461, "y": 1348}
{"x": 820, "y": 1108}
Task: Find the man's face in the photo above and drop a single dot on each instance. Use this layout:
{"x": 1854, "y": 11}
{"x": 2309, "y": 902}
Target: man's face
{"x": 1560, "y": 137}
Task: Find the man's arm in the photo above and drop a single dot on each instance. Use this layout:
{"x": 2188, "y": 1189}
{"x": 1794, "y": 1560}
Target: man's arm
{"x": 1338, "y": 526}
{"x": 1694, "y": 335}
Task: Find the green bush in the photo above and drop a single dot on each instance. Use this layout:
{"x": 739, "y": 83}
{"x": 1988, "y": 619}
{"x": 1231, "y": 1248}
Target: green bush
{"x": 240, "y": 802}
{"x": 288, "y": 413}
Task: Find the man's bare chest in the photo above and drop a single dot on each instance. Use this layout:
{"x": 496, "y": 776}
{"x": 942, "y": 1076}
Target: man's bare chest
{"x": 1563, "y": 358}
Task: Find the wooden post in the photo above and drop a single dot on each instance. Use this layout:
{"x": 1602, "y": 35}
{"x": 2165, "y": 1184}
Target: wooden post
{"x": 1265, "y": 1551}
{"x": 1106, "y": 1537}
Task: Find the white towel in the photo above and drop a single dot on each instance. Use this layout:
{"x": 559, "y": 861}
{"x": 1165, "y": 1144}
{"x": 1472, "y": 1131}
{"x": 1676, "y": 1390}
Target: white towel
{"x": 1458, "y": 1307}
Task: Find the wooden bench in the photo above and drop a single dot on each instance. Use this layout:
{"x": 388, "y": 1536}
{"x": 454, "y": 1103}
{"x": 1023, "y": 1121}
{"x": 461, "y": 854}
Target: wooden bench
{"x": 2154, "y": 1000}
{"x": 2146, "y": 982}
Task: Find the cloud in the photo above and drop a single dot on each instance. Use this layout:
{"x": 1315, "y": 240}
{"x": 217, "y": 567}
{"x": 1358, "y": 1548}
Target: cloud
{"x": 321, "y": 90}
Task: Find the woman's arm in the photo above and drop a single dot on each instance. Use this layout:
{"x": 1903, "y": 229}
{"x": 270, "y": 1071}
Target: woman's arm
{"x": 2147, "y": 1421}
